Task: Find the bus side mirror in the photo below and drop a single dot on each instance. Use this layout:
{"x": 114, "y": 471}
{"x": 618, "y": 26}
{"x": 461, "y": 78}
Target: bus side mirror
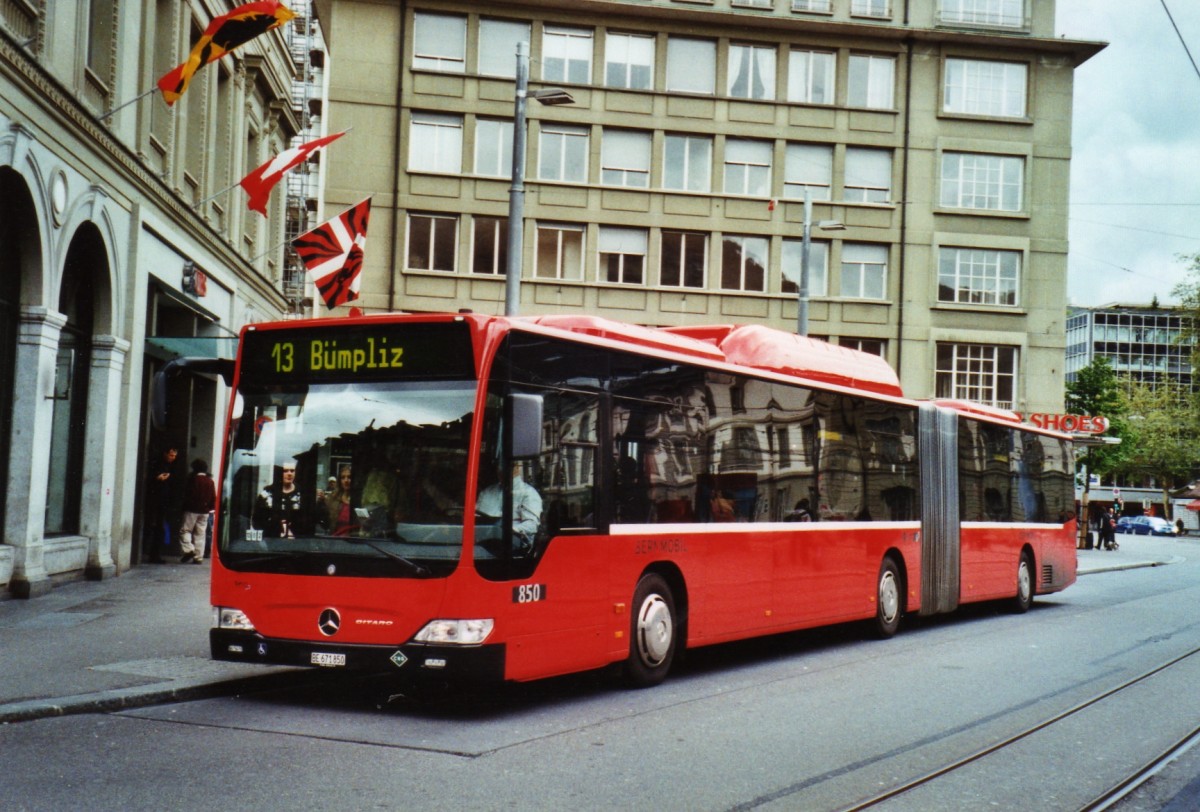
{"x": 162, "y": 378}
{"x": 526, "y": 425}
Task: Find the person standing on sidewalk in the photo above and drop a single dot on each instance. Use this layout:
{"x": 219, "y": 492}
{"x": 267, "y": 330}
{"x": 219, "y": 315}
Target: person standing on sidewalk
{"x": 199, "y": 498}
{"x": 162, "y": 489}
{"x": 1108, "y": 530}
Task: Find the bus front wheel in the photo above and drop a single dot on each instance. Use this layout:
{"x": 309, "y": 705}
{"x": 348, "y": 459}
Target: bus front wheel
{"x": 652, "y": 633}
{"x": 889, "y": 600}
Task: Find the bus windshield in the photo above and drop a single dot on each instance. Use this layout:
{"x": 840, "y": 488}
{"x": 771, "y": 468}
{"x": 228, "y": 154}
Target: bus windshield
{"x": 361, "y": 478}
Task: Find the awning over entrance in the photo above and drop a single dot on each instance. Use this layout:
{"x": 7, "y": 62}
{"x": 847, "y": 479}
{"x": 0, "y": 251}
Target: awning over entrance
{"x": 1193, "y": 505}
{"x": 168, "y": 349}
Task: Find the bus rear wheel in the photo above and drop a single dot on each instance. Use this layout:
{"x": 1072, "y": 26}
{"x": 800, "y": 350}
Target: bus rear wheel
{"x": 889, "y": 600}
{"x": 1024, "y": 597}
{"x": 652, "y": 633}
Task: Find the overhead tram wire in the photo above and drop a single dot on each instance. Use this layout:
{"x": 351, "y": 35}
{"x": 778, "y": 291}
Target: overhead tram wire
{"x": 1186, "y": 50}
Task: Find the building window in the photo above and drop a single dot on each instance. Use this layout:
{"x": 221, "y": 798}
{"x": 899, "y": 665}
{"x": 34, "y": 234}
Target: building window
{"x": 431, "y": 240}
{"x": 871, "y": 8}
{"x": 629, "y": 61}
{"x": 864, "y": 270}
{"x": 808, "y": 166}
{"x": 489, "y": 245}
{"x": 440, "y": 42}
{"x": 747, "y": 167}
{"x": 872, "y": 81}
{"x": 687, "y": 163}
{"x": 498, "y": 46}
{"x": 691, "y": 65}
{"x": 684, "y": 259}
{"x": 1001, "y": 13}
{"x": 978, "y": 276}
{"x": 973, "y": 181}
{"x": 810, "y": 77}
{"x": 818, "y": 267}
{"x": 871, "y": 346}
{"x": 567, "y": 55}
{"x": 744, "y": 263}
{"x": 623, "y": 255}
{"x": 868, "y": 176}
{"x": 101, "y": 34}
{"x": 493, "y": 148}
{"x": 823, "y": 6}
{"x": 563, "y": 153}
{"x": 751, "y": 72}
{"x": 435, "y": 143}
{"x": 625, "y": 158}
{"x": 977, "y": 372}
{"x": 559, "y": 252}
{"x": 754, "y": 3}
{"x": 976, "y": 87}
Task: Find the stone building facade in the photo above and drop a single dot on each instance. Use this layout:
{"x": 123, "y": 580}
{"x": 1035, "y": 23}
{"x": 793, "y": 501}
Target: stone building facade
{"x": 122, "y": 246}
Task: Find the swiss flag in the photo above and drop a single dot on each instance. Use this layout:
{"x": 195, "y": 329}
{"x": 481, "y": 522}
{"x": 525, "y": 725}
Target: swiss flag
{"x": 259, "y": 183}
{"x": 332, "y": 253}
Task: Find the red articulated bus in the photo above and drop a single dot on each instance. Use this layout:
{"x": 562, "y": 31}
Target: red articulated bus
{"x": 489, "y": 498}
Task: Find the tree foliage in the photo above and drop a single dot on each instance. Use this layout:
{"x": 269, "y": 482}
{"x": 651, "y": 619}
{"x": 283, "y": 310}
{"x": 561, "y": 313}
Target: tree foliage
{"x": 1097, "y": 391}
{"x": 1164, "y": 424}
{"x": 1188, "y": 293}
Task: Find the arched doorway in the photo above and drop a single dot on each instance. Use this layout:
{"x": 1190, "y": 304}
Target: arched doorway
{"x": 19, "y": 250}
{"x": 85, "y": 264}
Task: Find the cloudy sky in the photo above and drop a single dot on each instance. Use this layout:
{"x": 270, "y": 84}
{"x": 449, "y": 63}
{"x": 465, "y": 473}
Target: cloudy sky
{"x": 1135, "y": 170}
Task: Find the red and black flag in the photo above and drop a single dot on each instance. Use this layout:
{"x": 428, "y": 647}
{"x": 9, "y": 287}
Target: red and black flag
{"x": 224, "y": 34}
{"x": 259, "y": 183}
{"x": 332, "y": 253}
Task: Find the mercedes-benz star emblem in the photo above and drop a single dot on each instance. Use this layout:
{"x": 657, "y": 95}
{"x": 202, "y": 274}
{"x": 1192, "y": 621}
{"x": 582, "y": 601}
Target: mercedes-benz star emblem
{"x": 329, "y": 622}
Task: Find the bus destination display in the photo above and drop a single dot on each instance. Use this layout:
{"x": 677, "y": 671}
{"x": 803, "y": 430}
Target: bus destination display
{"x": 366, "y": 352}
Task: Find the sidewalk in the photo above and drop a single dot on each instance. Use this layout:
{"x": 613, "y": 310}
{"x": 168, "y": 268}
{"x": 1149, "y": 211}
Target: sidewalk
{"x": 142, "y": 639}
{"x": 139, "y": 639}
{"x": 1138, "y": 551}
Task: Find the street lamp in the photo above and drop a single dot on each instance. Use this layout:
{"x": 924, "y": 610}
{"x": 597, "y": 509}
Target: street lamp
{"x": 516, "y": 194}
{"x": 802, "y": 295}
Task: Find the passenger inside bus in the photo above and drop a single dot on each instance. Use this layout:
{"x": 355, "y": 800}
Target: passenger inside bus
{"x": 282, "y": 510}
{"x": 338, "y": 516}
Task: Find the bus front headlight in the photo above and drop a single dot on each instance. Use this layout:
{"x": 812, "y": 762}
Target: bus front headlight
{"x": 226, "y": 617}
{"x": 456, "y": 632}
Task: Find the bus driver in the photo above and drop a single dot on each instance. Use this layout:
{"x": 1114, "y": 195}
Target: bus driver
{"x": 527, "y": 508}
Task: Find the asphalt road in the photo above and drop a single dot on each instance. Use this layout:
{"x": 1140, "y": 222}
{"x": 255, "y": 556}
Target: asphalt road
{"x": 808, "y": 721}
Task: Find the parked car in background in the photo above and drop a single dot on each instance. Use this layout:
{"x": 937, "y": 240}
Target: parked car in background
{"x": 1146, "y": 526}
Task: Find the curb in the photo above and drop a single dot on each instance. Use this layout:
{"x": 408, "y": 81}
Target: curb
{"x": 1130, "y": 565}
{"x": 120, "y": 699}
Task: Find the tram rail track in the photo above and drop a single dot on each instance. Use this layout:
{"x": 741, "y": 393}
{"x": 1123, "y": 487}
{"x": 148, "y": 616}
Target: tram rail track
{"x": 1112, "y": 796}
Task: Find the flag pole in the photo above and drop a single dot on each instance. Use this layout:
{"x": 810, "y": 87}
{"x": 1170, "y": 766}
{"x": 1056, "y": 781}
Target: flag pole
{"x": 270, "y": 250}
{"x": 123, "y": 105}
{"x": 212, "y": 197}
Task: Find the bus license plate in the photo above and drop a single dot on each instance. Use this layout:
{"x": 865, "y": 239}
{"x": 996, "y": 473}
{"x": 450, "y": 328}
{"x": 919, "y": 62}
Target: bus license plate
{"x": 327, "y": 659}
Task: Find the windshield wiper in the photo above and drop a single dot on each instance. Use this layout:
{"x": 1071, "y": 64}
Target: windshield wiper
{"x": 412, "y": 566}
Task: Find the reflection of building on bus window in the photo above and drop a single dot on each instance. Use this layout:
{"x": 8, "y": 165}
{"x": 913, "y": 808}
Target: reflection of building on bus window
{"x": 527, "y": 506}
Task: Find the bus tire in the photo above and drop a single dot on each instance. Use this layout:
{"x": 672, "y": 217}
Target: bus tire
{"x": 1024, "y": 598}
{"x": 889, "y": 599}
{"x": 652, "y": 633}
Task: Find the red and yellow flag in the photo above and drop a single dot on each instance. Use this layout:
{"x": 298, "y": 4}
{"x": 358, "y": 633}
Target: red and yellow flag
{"x": 224, "y": 34}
